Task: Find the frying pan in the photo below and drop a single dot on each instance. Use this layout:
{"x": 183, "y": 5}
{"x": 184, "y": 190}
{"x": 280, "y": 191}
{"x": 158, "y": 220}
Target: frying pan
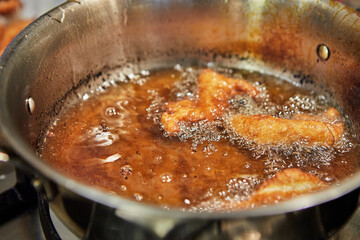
{"x": 313, "y": 43}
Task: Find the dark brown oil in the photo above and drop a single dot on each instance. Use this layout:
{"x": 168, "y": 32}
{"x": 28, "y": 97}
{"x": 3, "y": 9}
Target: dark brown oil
{"x": 114, "y": 141}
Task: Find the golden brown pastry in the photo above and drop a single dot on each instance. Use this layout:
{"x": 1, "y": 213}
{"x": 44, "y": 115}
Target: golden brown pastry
{"x": 308, "y": 130}
{"x": 284, "y": 185}
{"x": 214, "y": 91}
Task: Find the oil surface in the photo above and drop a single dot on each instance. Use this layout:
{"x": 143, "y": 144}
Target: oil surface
{"x": 114, "y": 140}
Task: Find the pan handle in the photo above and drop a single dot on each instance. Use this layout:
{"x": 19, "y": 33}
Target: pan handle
{"x": 10, "y": 164}
{"x": 8, "y": 176}
{"x": 7, "y": 169}
{"x": 7, "y": 172}
{"x": 17, "y": 193}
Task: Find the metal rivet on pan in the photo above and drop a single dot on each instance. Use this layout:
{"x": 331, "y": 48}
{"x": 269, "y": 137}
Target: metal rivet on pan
{"x": 323, "y": 52}
{"x": 30, "y": 105}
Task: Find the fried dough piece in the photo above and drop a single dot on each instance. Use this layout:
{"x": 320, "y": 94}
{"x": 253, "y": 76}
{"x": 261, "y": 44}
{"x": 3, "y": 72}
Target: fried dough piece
{"x": 330, "y": 116}
{"x": 9, "y": 6}
{"x": 309, "y": 130}
{"x": 11, "y": 31}
{"x": 214, "y": 91}
{"x": 284, "y": 185}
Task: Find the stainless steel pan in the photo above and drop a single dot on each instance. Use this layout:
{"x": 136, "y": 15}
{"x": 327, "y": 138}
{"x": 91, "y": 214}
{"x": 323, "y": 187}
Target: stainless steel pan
{"x": 311, "y": 42}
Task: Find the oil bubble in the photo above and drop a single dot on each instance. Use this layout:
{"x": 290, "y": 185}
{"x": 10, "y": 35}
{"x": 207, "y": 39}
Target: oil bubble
{"x": 126, "y": 171}
{"x": 111, "y": 112}
{"x": 138, "y": 196}
{"x": 165, "y": 178}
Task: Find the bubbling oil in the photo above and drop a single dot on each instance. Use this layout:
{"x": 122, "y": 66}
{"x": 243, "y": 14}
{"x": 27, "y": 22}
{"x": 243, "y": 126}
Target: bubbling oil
{"x": 114, "y": 140}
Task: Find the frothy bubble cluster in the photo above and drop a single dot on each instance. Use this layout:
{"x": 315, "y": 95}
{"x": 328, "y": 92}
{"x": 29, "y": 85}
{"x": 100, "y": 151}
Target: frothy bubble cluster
{"x": 275, "y": 158}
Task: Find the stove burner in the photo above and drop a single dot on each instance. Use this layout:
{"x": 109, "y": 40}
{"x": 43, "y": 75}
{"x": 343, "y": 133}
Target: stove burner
{"x": 45, "y": 219}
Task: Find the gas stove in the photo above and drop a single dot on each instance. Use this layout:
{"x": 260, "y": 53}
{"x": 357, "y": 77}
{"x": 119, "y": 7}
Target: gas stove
{"x": 28, "y": 227}
{"x": 33, "y": 220}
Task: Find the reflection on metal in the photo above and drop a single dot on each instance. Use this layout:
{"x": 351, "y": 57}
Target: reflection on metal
{"x": 7, "y": 173}
{"x": 30, "y": 105}
{"x": 4, "y": 157}
{"x": 249, "y": 235}
{"x": 161, "y": 227}
{"x": 37, "y": 184}
{"x": 323, "y": 52}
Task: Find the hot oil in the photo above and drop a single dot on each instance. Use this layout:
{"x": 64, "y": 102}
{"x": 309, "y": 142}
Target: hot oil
{"x": 114, "y": 140}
